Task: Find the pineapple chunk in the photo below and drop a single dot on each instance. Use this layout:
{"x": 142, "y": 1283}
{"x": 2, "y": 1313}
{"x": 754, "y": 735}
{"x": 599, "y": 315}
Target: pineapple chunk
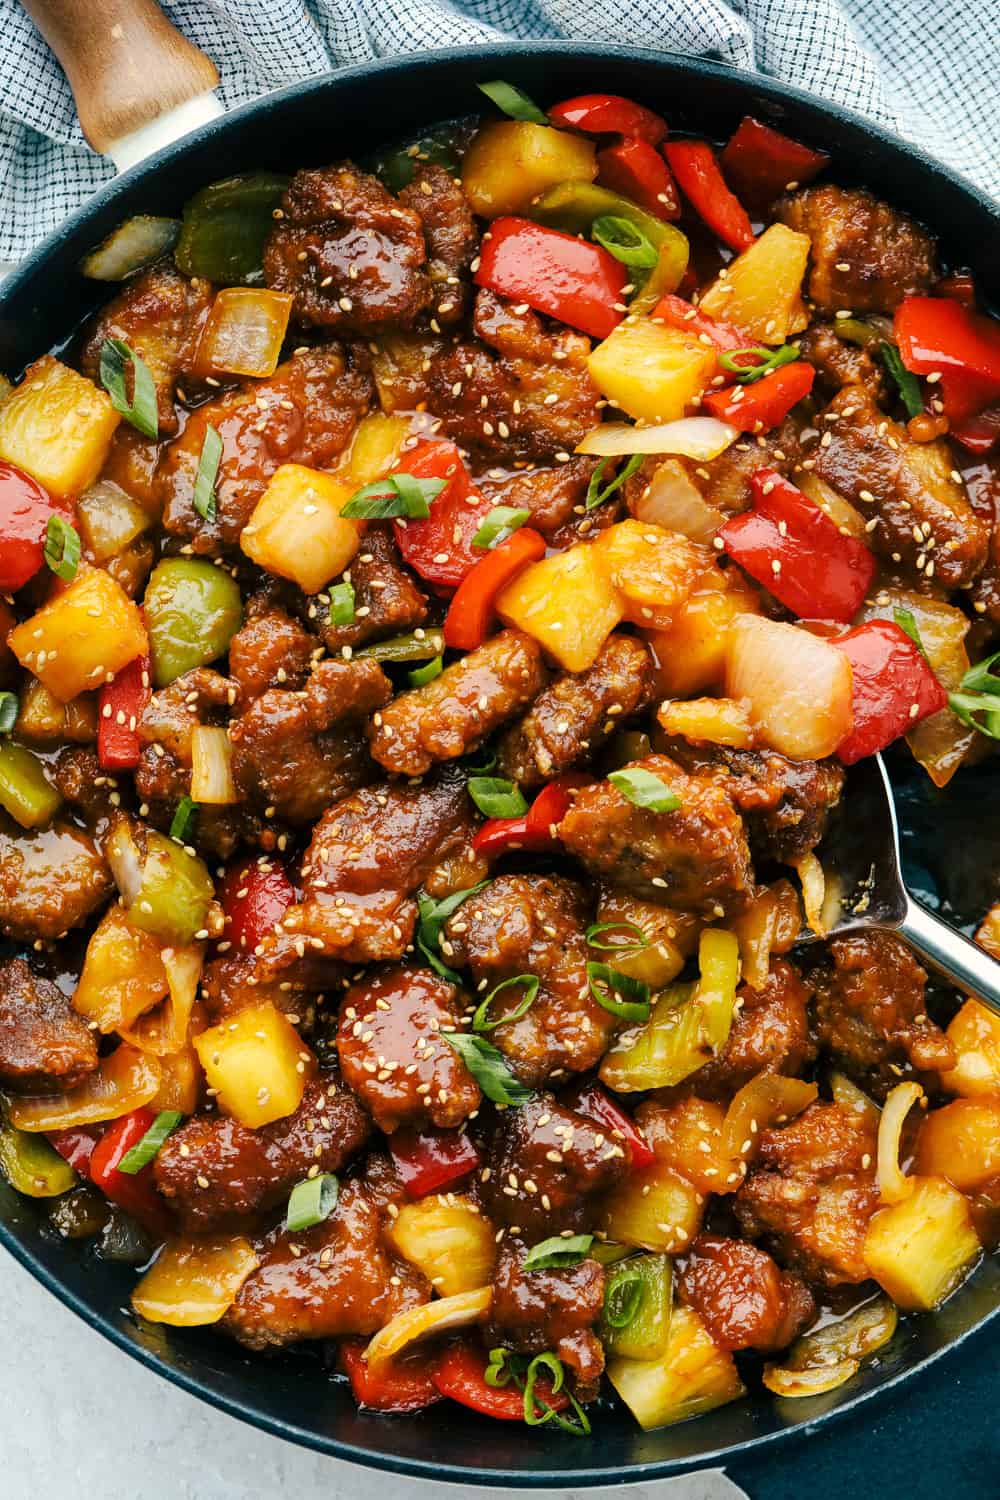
{"x": 374, "y": 449}
{"x": 82, "y": 637}
{"x": 123, "y": 975}
{"x": 919, "y": 1250}
{"x": 511, "y": 161}
{"x": 296, "y": 529}
{"x": 652, "y": 372}
{"x": 544, "y": 601}
{"x": 194, "y": 1282}
{"x": 961, "y": 1143}
{"x": 43, "y": 718}
{"x": 653, "y": 569}
{"x": 57, "y": 426}
{"x": 244, "y": 332}
{"x": 691, "y": 655}
{"x": 687, "y": 1136}
{"x": 257, "y": 1064}
{"x": 654, "y": 1208}
{"x": 670, "y": 937}
{"x": 975, "y": 1035}
{"x": 761, "y": 290}
{"x": 692, "y": 1376}
{"x": 717, "y": 721}
{"x": 449, "y": 1240}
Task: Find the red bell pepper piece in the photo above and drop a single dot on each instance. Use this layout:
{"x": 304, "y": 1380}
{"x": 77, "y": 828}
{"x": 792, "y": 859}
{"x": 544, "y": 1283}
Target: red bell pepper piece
{"x": 979, "y": 434}
{"x": 397, "y": 1385}
{"x": 636, "y": 169}
{"x": 75, "y": 1146}
{"x": 675, "y": 312}
{"x": 136, "y": 1194}
{"x": 533, "y": 829}
{"x": 894, "y": 688}
{"x": 758, "y": 407}
{"x": 25, "y": 510}
{"x": 964, "y": 396}
{"x": 786, "y": 543}
{"x": 760, "y": 163}
{"x": 471, "y": 610}
{"x": 428, "y": 1160}
{"x": 591, "y": 1100}
{"x": 460, "y": 1374}
{"x": 254, "y": 896}
{"x": 439, "y": 546}
{"x": 939, "y": 334}
{"x": 555, "y": 273}
{"x": 697, "y": 172}
{"x": 609, "y": 114}
{"x": 121, "y": 704}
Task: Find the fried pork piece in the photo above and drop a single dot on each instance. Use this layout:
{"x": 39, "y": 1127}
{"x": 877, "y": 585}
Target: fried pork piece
{"x": 812, "y": 1192}
{"x": 83, "y": 782}
{"x": 215, "y": 1171}
{"x": 534, "y": 1311}
{"x": 555, "y": 497}
{"x": 575, "y": 714}
{"x": 695, "y": 858}
{"x": 451, "y": 236}
{"x": 305, "y": 413}
{"x": 44, "y": 1045}
{"x": 785, "y": 803}
{"x": 984, "y": 494}
{"x": 160, "y": 316}
{"x": 270, "y": 650}
{"x": 534, "y": 924}
{"x": 351, "y": 254}
{"x": 869, "y": 1012}
{"x": 51, "y": 879}
{"x": 460, "y": 709}
{"x": 230, "y": 984}
{"x": 742, "y": 1297}
{"x": 492, "y": 394}
{"x": 297, "y": 752}
{"x": 327, "y": 1282}
{"x": 905, "y": 487}
{"x": 838, "y": 363}
{"x": 391, "y": 1053}
{"x": 546, "y": 1163}
{"x": 770, "y": 1034}
{"x": 387, "y": 600}
{"x": 866, "y": 256}
{"x": 369, "y": 853}
{"x": 199, "y": 697}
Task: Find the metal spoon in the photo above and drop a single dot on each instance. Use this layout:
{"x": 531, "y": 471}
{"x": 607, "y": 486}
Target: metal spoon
{"x": 860, "y": 855}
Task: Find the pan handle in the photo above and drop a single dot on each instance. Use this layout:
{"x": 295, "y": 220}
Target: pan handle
{"x": 126, "y": 64}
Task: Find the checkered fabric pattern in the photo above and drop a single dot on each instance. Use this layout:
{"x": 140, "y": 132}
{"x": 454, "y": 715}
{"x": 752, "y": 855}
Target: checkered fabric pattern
{"x": 928, "y": 68}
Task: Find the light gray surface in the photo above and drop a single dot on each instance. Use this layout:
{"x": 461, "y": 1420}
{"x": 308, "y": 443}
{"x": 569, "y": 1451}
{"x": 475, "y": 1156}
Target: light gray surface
{"x": 79, "y": 1418}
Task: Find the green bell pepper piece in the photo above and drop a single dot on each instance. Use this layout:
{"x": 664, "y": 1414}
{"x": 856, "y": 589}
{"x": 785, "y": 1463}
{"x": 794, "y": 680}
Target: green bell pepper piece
{"x": 410, "y": 647}
{"x": 173, "y": 900}
{"x": 32, "y": 1166}
{"x": 193, "y": 610}
{"x": 640, "y": 1289}
{"x": 395, "y": 167}
{"x": 573, "y": 206}
{"x": 25, "y": 791}
{"x": 666, "y": 275}
{"x": 225, "y": 225}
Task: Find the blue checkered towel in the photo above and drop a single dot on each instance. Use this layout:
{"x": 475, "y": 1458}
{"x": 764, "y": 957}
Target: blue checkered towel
{"x": 928, "y": 68}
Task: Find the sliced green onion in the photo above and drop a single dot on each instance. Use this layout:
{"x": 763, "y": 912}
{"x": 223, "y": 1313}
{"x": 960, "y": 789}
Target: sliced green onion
{"x": 9, "y": 708}
{"x": 479, "y": 1021}
{"x": 423, "y": 675}
{"x": 501, "y": 1368}
{"x": 342, "y": 604}
{"x": 143, "y": 1151}
{"x": 488, "y": 1067}
{"x": 62, "y": 548}
{"x": 906, "y": 381}
{"x": 396, "y": 495}
{"x": 497, "y": 798}
{"x": 537, "y": 1412}
{"x": 977, "y": 701}
{"x": 182, "y": 823}
{"x": 560, "y": 1250}
{"x": 734, "y": 360}
{"x": 595, "y": 494}
{"x": 434, "y": 914}
{"x": 907, "y": 622}
{"x": 635, "y": 942}
{"x": 208, "y": 469}
{"x": 623, "y": 1296}
{"x": 141, "y": 411}
{"x": 645, "y": 790}
{"x": 437, "y": 963}
{"x": 625, "y": 241}
{"x": 312, "y": 1201}
{"x": 618, "y": 993}
{"x": 488, "y": 765}
{"x": 855, "y": 331}
{"x": 512, "y": 101}
{"x": 502, "y": 522}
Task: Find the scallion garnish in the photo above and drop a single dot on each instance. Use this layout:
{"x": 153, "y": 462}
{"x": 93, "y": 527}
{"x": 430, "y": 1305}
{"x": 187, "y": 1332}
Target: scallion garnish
{"x": 513, "y": 102}
{"x": 907, "y": 622}
{"x": 141, "y": 411}
{"x": 342, "y": 604}
{"x": 502, "y": 522}
{"x": 906, "y": 382}
{"x": 62, "y": 548}
{"x": 143, "y": 1151}
{"x": 497, "y": 798}
{"x": 421, "y": 676}
{"x": 769, "y": 360}
{"x": 208, "y": 470}
{"x": 9, "y": 707}
{"x": 479, "y": 1020}
{"x": 182, "y": 823}
{"x": 560, "y": 1250}
{"x": 504, "y": 1367}
{"x": 618, "y": 993}
{"x": 434, "y": 914}
{"x": 635, "y": 941}
{"x": 595, "y": 494}
{"x": 625, "y": 241}
{"x": 623, "y": 1296}
{"x": 311, "y": 1201}
{"x": 977, "y": 700}
{"x": 489, "y": 1068}
{"x": 396, "y": 495}
{"x": 645, "y": 790}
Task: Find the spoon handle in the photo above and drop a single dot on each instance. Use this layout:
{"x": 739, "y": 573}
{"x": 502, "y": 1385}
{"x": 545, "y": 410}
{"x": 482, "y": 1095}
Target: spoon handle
{"x": 963, "y": 962}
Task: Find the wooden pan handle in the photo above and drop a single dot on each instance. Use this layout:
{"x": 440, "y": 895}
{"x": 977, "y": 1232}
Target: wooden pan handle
{"x": 126, "y": 64}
